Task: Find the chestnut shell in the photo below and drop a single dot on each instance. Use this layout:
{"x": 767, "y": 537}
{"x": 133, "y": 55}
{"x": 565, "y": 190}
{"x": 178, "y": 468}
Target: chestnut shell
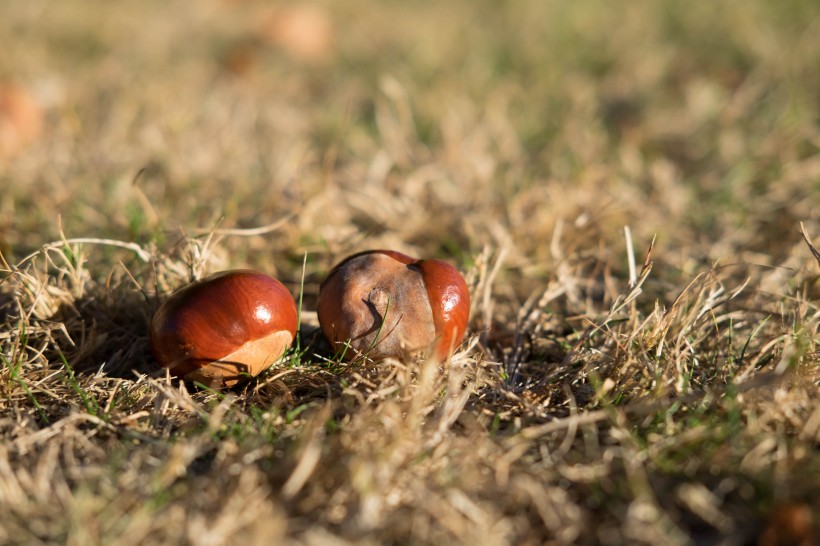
{"x": 387, "y": 304}
{"x": 224, "y": 327}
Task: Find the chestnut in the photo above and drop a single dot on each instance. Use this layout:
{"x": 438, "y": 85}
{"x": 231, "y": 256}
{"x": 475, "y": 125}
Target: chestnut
{"x": 224, "y": 327}
{"x": 386, "y": 304}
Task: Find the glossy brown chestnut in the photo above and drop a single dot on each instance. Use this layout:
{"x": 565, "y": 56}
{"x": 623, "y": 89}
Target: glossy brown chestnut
{"x": 386, "y": 304}
{"x": 224, "y": 327}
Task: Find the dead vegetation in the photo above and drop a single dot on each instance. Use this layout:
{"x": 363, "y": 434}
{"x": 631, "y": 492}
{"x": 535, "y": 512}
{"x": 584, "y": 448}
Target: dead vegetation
{"x": 624, "y": 188}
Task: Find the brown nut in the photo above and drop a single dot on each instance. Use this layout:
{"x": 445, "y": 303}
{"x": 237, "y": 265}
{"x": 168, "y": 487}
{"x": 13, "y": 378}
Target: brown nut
{"x": 386, "y": 304}
{"x": 224, "y": 327}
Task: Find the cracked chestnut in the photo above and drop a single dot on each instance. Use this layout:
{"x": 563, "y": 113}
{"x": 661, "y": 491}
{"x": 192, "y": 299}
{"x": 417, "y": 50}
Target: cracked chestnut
{"x": 382, "y": 303}
{"x": 230, "y": 325}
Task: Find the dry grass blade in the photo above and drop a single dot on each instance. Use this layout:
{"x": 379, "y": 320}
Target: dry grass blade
{"x": 812, "y": 248}
{"x": 248, "y": 232}
{"x": 309, "y": 458}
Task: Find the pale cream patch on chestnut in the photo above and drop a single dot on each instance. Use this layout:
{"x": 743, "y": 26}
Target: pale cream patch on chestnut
{"x": 252, "y": 358}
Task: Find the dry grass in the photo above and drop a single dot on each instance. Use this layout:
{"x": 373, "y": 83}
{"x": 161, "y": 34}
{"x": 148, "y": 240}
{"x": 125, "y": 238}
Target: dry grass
{"x": 622, "y": 185}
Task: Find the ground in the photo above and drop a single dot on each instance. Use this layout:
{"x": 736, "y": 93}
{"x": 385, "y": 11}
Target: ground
{"x": 630, "y": 189}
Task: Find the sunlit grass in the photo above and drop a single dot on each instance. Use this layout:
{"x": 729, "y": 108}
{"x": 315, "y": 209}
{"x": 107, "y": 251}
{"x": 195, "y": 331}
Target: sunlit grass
{"x": 621, "y": 184}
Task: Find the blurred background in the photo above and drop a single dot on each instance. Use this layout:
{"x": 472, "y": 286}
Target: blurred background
{"x": 437, "y": 128}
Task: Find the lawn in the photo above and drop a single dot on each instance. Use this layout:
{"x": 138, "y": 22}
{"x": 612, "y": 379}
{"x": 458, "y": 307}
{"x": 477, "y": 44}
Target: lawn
{"x": 631, "y": 191}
